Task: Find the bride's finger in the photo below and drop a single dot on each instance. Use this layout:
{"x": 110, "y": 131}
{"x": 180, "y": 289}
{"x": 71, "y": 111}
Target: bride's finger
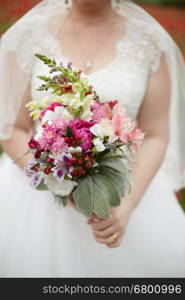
{"x": 117, "y": 243}
{"x": 102, "y": 224}
{"x": 110, "y": 240}
{"x": 104, "y": 233}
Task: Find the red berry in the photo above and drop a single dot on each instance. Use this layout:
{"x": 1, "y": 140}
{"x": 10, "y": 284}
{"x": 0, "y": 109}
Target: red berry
{"x": 75, "y": 153}
{"x": 73, "y": 160}
{"x": 88, "y": 165}
{"x": 79, "y": 162}
{"x": 49, "y": 160}
{"x": 36, "y": 168}
{"x": 75, "y": 172}
{"x": 73, "y": 143}
{"x": 80, "y": 169}
{"x": 47, "y": 170}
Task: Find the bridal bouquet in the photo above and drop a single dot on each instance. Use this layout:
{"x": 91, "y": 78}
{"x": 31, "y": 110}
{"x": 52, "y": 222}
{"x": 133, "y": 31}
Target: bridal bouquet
{"x": 81, "y": 145}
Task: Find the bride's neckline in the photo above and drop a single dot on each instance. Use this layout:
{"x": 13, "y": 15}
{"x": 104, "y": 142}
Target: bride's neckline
{"x": 127, "y": 23}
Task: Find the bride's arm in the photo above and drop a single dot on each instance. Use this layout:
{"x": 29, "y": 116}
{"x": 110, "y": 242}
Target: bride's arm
{"x": 17, "y": 144}
{"x": 153, "y": 120}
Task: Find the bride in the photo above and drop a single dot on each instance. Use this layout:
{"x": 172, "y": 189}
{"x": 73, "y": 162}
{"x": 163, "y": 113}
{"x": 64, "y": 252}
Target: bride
{"x": 126, "y": 55}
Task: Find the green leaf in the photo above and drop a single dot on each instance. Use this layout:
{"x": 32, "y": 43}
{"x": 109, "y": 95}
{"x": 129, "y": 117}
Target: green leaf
{"x": 111, "y": 147}
{"x": 116, "y": 177}
{"x": 46, "y": 60}
{"x": 42, "y": 186}
{"x": 109, "y": 189}
{"x": 116, "y": 164}
{"x": 44, "y": 78}
{"x": 61, "y": 199}
{"x": 69, "y": 132}
{"x": 101, "y": 207}
{"x": 84, "y": 195}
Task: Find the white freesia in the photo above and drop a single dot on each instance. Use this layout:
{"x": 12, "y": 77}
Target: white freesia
{"x": 66, "y": 98}
{"x": 75, "y": 149}
{"x": 47, "y": 100}
{"x": 107, "y": 127}
{"x": 97, "y": 130}
{"x": 87, "y": 101}
{"x": 66, "y": 115}
{"x": 86, "y": 115}
{"x": 39, "y": 131}
{"x": 49, "y": 116}
{"x": 76, "y": 102}
{"x": 63, "y": 188}
{"x": 59, "y": 112}
{"x": 99, "y": 146}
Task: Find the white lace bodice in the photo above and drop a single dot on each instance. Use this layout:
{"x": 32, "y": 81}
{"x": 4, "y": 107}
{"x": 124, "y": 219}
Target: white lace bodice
{"x": 125, "y": 78}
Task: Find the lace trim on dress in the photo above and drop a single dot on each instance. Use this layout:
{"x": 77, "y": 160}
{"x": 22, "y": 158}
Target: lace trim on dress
{"x": 140, "y": 45}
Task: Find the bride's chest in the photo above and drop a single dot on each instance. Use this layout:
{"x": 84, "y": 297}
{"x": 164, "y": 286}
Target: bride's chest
{"x": 124, "y": 78}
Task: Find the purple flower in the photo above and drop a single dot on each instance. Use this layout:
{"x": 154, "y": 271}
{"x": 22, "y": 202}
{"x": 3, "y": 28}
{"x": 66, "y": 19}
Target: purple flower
{"x": 69, "y": 66}
{"x": 61, "y": 167}
{"x": 36, "y": 179}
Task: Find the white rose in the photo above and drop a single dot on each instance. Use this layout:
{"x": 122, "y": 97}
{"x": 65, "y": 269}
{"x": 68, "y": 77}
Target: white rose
{"x": 63, "y": 188}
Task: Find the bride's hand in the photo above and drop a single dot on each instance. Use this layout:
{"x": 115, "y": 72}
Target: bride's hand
{"x": 111, "y": 231}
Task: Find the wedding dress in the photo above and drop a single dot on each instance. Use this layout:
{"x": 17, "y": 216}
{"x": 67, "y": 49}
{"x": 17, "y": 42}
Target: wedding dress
{"x": 38, "y": 239}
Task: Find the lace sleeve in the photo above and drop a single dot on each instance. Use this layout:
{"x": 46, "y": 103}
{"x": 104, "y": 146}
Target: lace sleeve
{"x": 154, "y": 49}
{"x": 155, "y": 59}
{"x": 16, "y": 61}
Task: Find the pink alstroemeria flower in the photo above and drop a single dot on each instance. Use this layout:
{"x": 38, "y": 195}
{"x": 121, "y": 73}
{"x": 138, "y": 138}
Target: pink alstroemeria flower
{"x": 118, "y": 122}
{"x": 106, "y": 111}
{"x": 134, "y": 136}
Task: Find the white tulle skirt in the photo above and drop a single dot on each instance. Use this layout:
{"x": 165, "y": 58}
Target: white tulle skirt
{"x": 37, "y": 239}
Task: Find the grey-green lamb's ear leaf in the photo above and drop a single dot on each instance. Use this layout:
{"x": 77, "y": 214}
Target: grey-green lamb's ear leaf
{"x": 42, "y": 186}
{"x": 116, "y": 164}
{"x": 116, "y": 177}
{"x": 84, "y": 196}
{"x": 109, "y": 189}
{"x": 100, "y": 207}
{"x": 61, "y": 199}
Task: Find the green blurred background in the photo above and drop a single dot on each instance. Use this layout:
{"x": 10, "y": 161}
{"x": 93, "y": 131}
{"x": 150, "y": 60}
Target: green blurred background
{"x": 170, "y": 13}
